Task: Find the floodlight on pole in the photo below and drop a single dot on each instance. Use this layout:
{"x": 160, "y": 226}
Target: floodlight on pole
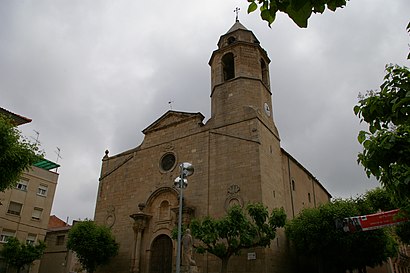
{"x": 186, "y": 169}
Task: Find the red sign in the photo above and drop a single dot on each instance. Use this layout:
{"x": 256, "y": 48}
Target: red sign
{"x": 373, "y": 221}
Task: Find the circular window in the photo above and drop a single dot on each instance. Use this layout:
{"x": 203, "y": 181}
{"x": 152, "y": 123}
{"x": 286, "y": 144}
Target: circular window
{"x": 167, "y": 162}
{"x": 231, "y": 40}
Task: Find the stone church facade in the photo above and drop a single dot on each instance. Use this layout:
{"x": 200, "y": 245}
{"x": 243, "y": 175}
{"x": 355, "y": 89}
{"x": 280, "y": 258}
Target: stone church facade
{"x": 237, "y": 159}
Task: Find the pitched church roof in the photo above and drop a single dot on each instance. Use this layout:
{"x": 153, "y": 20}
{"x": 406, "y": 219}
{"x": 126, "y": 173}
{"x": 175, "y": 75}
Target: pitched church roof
{"x": 171, "y": 118}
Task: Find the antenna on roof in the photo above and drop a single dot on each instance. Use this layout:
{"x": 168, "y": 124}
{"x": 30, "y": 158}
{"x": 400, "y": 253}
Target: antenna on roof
{"x": 36, "y": 139}
{"x": 37, "y": 142}
{"x": 236, "y": 10}
{"x": 58, "y": 155}
{"x": 170, "y": 104}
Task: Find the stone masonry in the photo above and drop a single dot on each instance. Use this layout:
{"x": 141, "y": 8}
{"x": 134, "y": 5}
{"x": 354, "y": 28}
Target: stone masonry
{"x": 237, "y": 159}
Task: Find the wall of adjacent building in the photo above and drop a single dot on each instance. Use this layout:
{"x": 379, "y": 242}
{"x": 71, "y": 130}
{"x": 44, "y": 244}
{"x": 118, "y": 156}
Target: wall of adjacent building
{"x": 28, "y": 223}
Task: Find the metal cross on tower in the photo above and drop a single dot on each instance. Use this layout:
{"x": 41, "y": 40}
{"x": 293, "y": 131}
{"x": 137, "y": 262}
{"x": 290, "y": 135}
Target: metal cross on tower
{"x": 236, "y": 10}
{"x": 170, "y": 104}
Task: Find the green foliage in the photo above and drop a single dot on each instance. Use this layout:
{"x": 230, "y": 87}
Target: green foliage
{"x": 377, "y": 199}
{"x": 19, "y": 255}
{"x": 386, "y": 144}
{"x": 17, "y": 154}
{"x": 239, "y": 229}
{"x": 298, "y": 10}
{"x": 314, "y": 234}
{"x": 403, "y": 231}
{"x": 93, "y": 244}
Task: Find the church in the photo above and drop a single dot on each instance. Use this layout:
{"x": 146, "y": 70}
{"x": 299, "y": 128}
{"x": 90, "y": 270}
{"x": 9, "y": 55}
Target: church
{"x": 237, "y": 157}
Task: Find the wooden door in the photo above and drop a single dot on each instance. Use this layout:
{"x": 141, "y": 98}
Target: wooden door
{"x": 161, "y": 255}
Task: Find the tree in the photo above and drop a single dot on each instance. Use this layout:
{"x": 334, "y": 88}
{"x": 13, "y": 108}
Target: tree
{"x": 17, "y": 154}
{"x": 403, "y": 231}
{"x": 377, "y": 199}
{"x": 298, "y": 10}
{"x": 386, "y": 143}
{"x": 93, "y": 244}
{"x": 314, "y": 234}
{"x": 19, "y": 255}
{"x": 239, "y": 229}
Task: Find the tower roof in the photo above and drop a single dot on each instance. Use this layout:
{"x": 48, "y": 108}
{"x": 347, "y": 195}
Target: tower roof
{"x": 236, "y": 26}
{"x": 241, "y": 34}
{"x": 237, "y": 33}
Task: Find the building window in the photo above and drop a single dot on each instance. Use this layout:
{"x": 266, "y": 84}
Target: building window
{"x": 31, "y": 239}
{"x": 60, "y": 240}
{"x": 42, "y": 190}
{"x": 22, "y": 184}
{"x": 37, "y": 212}
{"x": 309, "y": 199}
{"x": 6, "y": 234}
{"x": 14, "y": 208}
{"x": 167, "y": 162}
{"x": 228, "y": 66}
{"x": 293, "y": 185}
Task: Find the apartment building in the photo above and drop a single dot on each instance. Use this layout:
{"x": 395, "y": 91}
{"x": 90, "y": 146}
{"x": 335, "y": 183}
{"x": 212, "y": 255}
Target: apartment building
{"x": 25, "y": 209}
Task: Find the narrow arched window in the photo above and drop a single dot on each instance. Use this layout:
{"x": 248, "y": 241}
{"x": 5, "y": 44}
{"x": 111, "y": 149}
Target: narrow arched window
{"x": 228, "y": 67}
{"x": 265, "y": 74}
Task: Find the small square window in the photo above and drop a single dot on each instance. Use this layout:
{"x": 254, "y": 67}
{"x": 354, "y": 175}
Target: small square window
{"x": 36, "y": 214}
{"x": 22, "y": 184}
{"x": 6, "y": 234}
{"x": 14, "y": 208}
{"x": 31, "y": 239}
{"x": 42, "y": 190}
{"x": 60, "y": 240}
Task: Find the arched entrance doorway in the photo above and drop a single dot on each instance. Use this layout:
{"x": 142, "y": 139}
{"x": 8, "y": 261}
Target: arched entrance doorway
{"x": 161, "y": 255}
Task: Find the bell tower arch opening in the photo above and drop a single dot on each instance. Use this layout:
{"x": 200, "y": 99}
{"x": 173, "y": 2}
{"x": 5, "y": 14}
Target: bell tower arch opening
{"x": 228, "y": 66}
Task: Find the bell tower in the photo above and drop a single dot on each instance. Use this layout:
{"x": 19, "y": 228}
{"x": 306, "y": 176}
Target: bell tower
{"x": 245, "y": 152}
{"x": 240, "y": 86}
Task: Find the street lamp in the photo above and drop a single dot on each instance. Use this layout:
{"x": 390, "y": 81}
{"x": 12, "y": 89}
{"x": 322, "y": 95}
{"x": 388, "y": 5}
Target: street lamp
{"x": 186, "y": 169}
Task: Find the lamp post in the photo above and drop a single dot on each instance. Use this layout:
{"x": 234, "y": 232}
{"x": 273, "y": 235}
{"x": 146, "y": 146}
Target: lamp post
{"x": 186, "y": 169}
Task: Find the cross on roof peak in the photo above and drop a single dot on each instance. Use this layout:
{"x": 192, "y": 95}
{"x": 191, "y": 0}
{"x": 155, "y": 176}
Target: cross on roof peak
{"x": 236, "y": 10}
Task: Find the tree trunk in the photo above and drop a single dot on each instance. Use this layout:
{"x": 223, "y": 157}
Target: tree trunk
{"x": 224, "y": 267}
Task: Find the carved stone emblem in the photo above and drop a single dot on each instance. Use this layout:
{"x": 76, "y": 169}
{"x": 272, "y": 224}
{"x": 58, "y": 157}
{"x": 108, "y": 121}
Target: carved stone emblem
{"x": 110, "y": 219}
{"x": 233, "y": 197}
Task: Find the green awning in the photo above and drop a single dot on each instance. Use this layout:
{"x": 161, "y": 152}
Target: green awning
{"x": 46, "y": 164}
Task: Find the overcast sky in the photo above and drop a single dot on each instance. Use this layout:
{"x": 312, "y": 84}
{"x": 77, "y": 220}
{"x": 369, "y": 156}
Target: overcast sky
{"x": 93, "y": 74}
